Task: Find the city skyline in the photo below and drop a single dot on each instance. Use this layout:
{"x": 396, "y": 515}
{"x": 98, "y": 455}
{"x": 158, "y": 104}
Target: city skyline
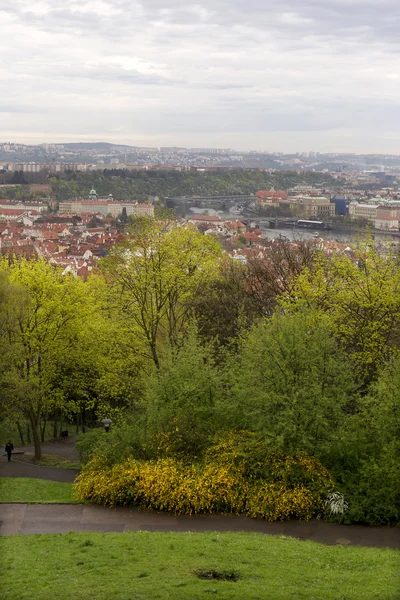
{"x": 283, "y": 77}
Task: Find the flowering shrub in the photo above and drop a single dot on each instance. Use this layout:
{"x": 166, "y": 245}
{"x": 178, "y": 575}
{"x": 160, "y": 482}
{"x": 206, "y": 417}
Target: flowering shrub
{"x": 336, "y": 504}
{"x": 224, "y": 482}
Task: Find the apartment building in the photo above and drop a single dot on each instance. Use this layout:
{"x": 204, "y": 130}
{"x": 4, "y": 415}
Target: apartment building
{"x": 387, "y": 218}
{"x": 270, "y": 197}
{"x": 363, "y": 211}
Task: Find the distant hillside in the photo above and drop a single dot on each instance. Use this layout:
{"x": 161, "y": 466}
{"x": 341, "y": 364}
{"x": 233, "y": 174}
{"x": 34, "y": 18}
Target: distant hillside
{"x": 125, "y": 185}
{"x": 95, "y": 146}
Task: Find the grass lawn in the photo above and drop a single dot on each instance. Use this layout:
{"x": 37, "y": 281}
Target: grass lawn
{"x": 23, "y": 489}
{"x": 144, "y": 566}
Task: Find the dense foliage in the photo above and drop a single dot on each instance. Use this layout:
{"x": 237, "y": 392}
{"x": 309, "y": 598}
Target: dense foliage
{"x": 125, "y": 185}
{"x": 256, "y": 483}
{"x": 184, "y": 350}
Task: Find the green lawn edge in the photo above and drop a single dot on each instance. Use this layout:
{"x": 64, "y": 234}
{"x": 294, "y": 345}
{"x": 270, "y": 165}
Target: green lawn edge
{"x": 149, "y": 565}
{"x": 35, "y": 491}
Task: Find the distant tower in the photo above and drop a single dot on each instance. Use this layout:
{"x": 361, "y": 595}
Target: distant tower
{"x": 92, "y": 194}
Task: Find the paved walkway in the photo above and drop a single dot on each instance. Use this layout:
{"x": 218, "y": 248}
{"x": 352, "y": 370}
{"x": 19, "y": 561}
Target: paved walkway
{"x": 62, "y": 518}
{"x": 22, "y": 469}
{"x": 64, "y": 448}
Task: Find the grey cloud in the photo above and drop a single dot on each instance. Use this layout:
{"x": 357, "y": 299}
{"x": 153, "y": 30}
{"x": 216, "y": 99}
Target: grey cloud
{"x": 226, "y": 67}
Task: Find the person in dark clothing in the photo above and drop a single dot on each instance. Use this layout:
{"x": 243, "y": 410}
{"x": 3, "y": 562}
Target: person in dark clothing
{"x": 9, "y": 448}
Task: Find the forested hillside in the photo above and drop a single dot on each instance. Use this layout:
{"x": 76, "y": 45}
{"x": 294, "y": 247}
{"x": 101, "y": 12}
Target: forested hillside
{"x": 126, "y": 185}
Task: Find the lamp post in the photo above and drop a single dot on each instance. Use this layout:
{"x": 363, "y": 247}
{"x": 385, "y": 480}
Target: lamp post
{"x": 106, "y": 423}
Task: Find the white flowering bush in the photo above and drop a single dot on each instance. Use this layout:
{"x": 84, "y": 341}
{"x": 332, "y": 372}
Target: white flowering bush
{"x": 335, "y": 504}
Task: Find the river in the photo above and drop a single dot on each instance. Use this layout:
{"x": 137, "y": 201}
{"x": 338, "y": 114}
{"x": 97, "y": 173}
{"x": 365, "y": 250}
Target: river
{"x": 350, "y": 234}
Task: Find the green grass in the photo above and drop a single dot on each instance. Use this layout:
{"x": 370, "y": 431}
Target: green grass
{"x": 24, "y": 489}
{"x": 143, "y": 566}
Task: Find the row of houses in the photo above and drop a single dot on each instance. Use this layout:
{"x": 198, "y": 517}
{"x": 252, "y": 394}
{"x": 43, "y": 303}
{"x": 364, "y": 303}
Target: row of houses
{"x": 383, "y": 212}
{"x": 72, "y": 242}
{"x": 385, "y": 216}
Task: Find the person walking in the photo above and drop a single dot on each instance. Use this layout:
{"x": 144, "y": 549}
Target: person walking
{"x": 9, "y": 448}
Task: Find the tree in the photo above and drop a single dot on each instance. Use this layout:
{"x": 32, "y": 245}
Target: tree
{"x": 153, "y": 273}
{"x": 271, "y": 277}
{"x": 362, "y": 297}
{"x": 41, "y": 314}
{"x": 18, "y": 178}
{"x": 290, "y": 382}
{"x": 222, "y": 305}
{"x": 181, "y": 397}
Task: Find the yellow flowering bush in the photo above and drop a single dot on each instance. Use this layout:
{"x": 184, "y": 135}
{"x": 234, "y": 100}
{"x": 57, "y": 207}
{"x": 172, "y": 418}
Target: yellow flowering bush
{"x": 293, "y": 487}
{"x": 275, "y": 503}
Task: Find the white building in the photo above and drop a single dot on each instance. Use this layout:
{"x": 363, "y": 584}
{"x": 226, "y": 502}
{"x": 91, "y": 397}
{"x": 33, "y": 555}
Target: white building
{"x": 363, "y": 211}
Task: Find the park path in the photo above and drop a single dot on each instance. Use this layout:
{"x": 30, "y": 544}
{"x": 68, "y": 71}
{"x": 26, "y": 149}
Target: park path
{"x": 22, "y": 469}
{"x": 18, "y": 468}
{"x": 62, "y": 518}
{"x": 64, "y": 448}
{"x": 18, "y": 518}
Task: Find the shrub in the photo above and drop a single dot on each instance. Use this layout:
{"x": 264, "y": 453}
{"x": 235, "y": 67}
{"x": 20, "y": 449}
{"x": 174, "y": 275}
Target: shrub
{"x": 373, "y": 492}
{"x": 295, "y": 486}
{"x": 248, "y": 455}
{"x": 111, "y": 448}
{"x": 272, "y": 502}
{"x": 88, "y": 443}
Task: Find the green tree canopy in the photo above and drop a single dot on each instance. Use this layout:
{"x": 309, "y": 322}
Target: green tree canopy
{"x": 362, "y": 297}
{"x": 153, "y": 273}
{"x": 291, "y": 382}
{"x": 41, "y": 314}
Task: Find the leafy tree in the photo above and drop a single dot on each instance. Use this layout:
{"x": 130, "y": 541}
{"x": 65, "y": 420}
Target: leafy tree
{"x": 291, "y": 382}
{"x": 102, "y": 376}
{"x": 181, "y": 398}
{"x": 362, "y": 297}
{"x": 222, "y": 305}
{"x": 153, "y": 274}
{"x": 40, "y": 316}
{"x": 365, "y": 458}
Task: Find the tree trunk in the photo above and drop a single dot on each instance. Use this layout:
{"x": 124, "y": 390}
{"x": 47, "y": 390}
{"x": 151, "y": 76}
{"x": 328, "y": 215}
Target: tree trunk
{"x": 36, "y": 439}
{"x": 77, "y": 422}
{"x": 55, "y": 424}
{"x": 43, "y": 430}
{"x": 83, "y": 422}
{"x": 28, "y": 434}
{"x": 21, "y": 435}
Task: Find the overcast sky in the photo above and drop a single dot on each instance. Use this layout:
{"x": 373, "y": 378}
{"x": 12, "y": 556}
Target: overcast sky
{"x": 275, "y": 75}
